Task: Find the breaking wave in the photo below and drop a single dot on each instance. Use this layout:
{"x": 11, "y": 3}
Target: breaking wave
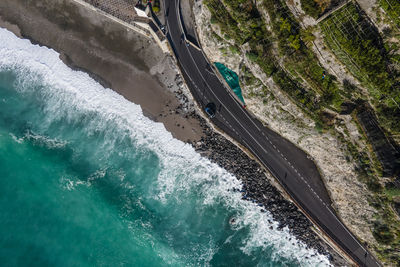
{"x": 186, "y": 184}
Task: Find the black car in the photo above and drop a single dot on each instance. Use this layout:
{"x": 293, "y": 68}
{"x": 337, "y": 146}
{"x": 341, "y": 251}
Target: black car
{"x": 210, "y": 110}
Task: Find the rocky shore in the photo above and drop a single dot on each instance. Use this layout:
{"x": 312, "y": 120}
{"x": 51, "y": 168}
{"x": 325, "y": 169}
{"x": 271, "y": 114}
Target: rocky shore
{"x": 115, "y": 57}
{"x": 257, "y": 188}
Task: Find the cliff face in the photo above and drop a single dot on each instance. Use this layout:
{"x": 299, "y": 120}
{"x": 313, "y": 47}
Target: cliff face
{"x": 356, "y": 157}
{"x": 276, "y": 109}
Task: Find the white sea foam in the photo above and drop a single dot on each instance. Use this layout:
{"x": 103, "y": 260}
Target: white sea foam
{"x": 44, "y": 140}
{"x": 70, "y": 91}
{"x": 71, "y": 183}
{"x": 16, "y": 139}
{"x": 39, "y": 140}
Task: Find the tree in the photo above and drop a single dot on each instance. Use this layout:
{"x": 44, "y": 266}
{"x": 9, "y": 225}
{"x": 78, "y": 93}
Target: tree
{"x": 294, "y": 41}
{"x": 311, "y": 8}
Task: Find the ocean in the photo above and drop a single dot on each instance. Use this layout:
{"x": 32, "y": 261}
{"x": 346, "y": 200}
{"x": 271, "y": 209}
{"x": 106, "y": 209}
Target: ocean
{"x": 87, "y": 180}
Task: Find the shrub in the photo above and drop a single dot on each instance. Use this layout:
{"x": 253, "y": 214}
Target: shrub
{"x": 234, "y": 49}
{"x": 213, "y": 19}
{"x": 392, "y": 9}
{"x": 294, "y": 41}
{"x": 307, "y": 35}
{"x": 382, "y": 233}
{"x": 311, "y": 8}
{"x": 252, "y": 56}
{"x": 319, "y": 126}
{"x": 349, "y": 87}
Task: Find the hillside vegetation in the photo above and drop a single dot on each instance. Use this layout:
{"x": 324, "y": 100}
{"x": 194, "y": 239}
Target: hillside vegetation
{"x": 392, "y": 9}
{"x": 359, "y": 46}
{"x": 270, "y": 36}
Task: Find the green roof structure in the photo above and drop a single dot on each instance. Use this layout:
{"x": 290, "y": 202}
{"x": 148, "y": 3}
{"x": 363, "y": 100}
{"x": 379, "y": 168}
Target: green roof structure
{"x": 231, "y": 79}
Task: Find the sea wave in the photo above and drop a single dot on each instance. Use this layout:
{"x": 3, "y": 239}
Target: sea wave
{"x": 75, "y": 97}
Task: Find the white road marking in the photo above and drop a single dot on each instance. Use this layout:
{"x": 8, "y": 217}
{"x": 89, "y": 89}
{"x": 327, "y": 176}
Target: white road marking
{"x": 255, "y": 139}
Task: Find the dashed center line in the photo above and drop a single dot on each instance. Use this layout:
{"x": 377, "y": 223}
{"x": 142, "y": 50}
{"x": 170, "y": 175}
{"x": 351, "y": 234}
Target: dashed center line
{"x": 276, "y": 149}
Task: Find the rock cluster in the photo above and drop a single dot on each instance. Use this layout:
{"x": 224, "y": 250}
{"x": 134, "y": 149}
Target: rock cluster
{"x": 258, "y": 189}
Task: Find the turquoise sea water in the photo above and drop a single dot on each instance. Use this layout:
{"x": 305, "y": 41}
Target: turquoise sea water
{"x": 87, "y": 180}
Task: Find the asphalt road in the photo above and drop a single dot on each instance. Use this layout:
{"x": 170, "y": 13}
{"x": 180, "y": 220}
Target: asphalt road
{"x": 289, "y": 165}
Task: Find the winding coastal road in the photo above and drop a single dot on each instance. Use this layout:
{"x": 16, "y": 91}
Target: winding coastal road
{"x": 288, "y": 164}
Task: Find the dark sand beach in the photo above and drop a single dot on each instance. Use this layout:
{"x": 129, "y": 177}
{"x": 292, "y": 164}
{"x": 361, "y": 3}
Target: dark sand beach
{"x": 121, "y": 59}
{"x": 135, "y": 67}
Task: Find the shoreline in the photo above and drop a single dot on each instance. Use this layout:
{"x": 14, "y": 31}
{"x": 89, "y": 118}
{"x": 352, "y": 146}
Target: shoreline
{"x": 160, "y": 95}
{"x": 115, "y": 57}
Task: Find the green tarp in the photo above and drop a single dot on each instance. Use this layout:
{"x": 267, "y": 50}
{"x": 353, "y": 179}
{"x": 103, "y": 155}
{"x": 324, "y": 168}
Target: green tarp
{"x": 231, "y": 79}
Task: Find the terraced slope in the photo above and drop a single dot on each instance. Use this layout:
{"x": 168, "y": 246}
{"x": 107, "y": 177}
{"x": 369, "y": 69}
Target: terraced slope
{"x": 340, "y": 67}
